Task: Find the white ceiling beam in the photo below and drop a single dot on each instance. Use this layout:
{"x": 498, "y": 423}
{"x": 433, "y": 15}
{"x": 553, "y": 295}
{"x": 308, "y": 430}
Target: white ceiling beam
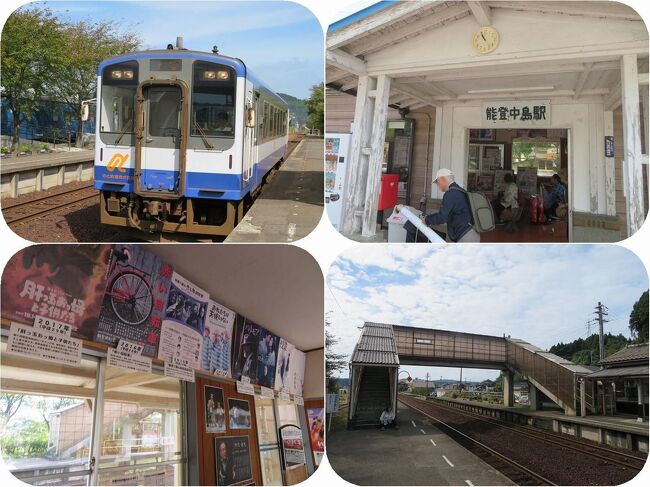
{"x": 441, "y": 90}
{"x": 132, "y": 379}
{"x": 609, "y": 10}
{"x": 334, "y": 74}
{"x": 375, "y": 22}
{"x": 346, "y": 62}
{"x": 613, "y": 100}
{"x": 349, "y": 85}
{"x": 401, "y": 33}
{"x": 481, "y": 12}
{"x": 417, "y": 105}
{"x": 582, "y": 79}
{"x": 643, "y": 79}
{"x": 528, "y": 94}
{"x": 409, "y": 90}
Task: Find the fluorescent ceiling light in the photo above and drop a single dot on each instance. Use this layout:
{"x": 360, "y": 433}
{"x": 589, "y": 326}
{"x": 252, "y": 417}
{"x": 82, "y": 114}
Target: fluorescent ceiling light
{"x": 511, "y": 90}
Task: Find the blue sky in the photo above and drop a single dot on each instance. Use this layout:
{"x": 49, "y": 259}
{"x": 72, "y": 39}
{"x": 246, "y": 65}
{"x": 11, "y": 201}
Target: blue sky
{"x": 544, "y": 294}
{"x": 282, "y": 42}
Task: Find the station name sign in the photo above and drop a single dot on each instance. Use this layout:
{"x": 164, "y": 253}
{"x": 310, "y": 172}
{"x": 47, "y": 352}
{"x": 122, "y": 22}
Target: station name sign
{"x": 516, "y": 114}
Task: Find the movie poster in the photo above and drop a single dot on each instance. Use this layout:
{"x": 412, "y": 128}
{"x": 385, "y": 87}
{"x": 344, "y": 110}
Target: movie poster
{"x": 233, "y": 460}
{"x": 239, "y": 413}
{"x": 285, "y": 353}
{"x": 62, "y": 282}
{"x": 134, "y": 301}
{"x": 244, "y": 349}
{"x": 217, "y": 340}
{"x": 183, "y": 322}
{"x": 316, "y": 423}
{"x": 267, "y": 347}
{"x": 215, "y": 411}
{"x": 296, "y": 375}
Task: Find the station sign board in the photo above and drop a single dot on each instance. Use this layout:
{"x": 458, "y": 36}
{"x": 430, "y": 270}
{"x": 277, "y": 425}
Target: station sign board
{"x": 516, "y": 114}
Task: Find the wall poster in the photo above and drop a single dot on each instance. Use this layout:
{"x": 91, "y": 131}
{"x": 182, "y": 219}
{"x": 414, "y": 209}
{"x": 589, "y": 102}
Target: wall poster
{"x": 215, "y": 412}
{"x": 183, "y": 322}
{"x": 217, "y": 340}
{"x": 239, "y": 413}
{"x": 61, "y": 282}
{"x": 254, "y": 353}
{"x": 134, "y": 301}
{"x": 233, "y": 460}
{"x": 292, "y": 446}
{"x": 316, "y": 422}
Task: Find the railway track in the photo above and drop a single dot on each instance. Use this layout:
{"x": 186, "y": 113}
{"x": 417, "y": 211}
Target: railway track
{"x": 25, "y": 211}
{"x": 610, "y": 455}
{"x": 595, "y": 453}
{"x": 518, "y": 473}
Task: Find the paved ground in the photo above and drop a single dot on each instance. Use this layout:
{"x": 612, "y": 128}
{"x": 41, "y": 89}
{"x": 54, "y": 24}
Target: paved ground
{"x": 416, "y": 454}
{"x": 291, "y": 205}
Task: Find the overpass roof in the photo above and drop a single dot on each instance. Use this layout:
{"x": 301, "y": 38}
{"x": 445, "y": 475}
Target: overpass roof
{"x": 376, "y": 346}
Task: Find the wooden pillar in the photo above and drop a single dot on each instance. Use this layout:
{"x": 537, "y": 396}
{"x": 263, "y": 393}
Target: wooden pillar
{"x": 610, "y": 168}
{"x": 632, "y": 159}
{"x": 375, "y": 151}
{"x": 355, "y": 165}
{"x": 583, "y": 398}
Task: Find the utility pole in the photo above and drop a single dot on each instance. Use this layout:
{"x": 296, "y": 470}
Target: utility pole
{"x": 427, "y": 377}
{"x": 460, "y": 386}
{"x": 601, "y": 312}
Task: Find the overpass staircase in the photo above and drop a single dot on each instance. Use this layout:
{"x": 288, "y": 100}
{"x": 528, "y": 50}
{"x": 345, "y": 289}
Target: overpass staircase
{"x": 374, "y": 396}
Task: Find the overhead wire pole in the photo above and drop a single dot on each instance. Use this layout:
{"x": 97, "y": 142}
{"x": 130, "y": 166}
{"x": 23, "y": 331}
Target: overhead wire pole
{"x": 601, "y": 312}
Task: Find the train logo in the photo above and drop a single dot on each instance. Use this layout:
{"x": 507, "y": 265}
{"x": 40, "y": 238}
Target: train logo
{"x": 117, "y": 162}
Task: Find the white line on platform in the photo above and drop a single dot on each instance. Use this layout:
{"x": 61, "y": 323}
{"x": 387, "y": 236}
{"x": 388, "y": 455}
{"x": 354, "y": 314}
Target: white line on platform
{"x": 433, "y": 442}
{"x": 447, "y": 460}
{"x": 468, "y": 482}
{"x": 423, "y": 432}
{"x": 413, "y": 423}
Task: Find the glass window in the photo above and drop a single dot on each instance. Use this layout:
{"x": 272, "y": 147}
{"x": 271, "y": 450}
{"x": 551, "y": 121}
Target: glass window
{"x": 268, "y": 439}
{"x": 266, "y": 121}
{"x": 164, "y": 109}
{"x": 119, "y": 84}
{"x": 213, "y": 100}
{"x": 542, "y": 154}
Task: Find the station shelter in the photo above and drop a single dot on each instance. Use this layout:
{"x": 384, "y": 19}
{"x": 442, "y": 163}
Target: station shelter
{"x": 143, "y": 365}
{"x": 488, "y": 88}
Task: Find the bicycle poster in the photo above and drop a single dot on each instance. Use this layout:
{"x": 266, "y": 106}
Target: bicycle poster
{"x": 133, "y": 305}
{"x": 183, "y": 322}
{"x": 61, "y": 282}
{"x": 217, "y": 340}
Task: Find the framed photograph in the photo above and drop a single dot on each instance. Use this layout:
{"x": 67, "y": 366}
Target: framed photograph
{"x": 482, "y": 135}
{"x": 215, "y": 411}
{"x": 239, "y": 414}
{"x": 485, "y": 182}
{"x": 232, "y": 460}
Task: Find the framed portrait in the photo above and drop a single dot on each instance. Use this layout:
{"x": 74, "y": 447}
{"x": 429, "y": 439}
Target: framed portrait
{"x": 239, "y": 414}
{"x": 215, "y": 409}
{"x": 232, "y": 460}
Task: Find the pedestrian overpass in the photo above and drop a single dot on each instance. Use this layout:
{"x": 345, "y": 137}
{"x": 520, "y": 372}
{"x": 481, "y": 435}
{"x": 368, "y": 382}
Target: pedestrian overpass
{"x": 382, "y": 348}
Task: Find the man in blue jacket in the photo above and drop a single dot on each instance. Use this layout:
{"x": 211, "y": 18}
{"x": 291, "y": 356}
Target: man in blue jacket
{"x": 454, "y": 211}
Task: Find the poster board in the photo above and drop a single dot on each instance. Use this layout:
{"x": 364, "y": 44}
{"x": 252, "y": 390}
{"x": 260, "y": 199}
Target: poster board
{"x": 232, "y": 460}
{"x": 316, "y": 424}
{"x": 254, "y": 353}
{"x": 62, "y": 282}
{"x": 291, "y": 446}
{"x": 217, "y": 340}
{"x": 133, "y": 304}
{"x": 290, "y": 369}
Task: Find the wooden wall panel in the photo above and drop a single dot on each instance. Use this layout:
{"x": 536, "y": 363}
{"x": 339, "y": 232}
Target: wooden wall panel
{"x": 207, "y": 475}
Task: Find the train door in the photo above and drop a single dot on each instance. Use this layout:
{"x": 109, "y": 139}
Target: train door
{"x": 162, "y": 137}
{"x": 250, "y": 138}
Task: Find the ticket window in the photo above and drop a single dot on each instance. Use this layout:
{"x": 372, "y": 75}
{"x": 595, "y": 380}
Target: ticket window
{"x": 267, "y": 433}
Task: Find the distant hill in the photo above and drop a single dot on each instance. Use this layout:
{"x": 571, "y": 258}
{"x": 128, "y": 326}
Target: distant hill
{"x": 297, "y": 108}
{"x": 585, "y": 351}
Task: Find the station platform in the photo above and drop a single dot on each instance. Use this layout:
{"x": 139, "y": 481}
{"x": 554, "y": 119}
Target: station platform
{"x": 617, "y": 431}
{"x": 415, "y": 454}
{"x": 291, "y": 204}
{"x": 52, "y": 159}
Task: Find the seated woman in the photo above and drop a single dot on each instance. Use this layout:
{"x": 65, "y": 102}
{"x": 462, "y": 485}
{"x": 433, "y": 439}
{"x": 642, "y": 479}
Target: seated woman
{"x": 508, "y": 197}
{"x": 387, "y": 418}
{"x": 556, "y": 197}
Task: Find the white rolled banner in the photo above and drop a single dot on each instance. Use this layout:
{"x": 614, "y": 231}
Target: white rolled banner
{"x": 421, "y": 226}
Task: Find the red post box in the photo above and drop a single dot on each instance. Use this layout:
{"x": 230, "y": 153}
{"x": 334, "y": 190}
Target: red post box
{"x": 388, "y": 191}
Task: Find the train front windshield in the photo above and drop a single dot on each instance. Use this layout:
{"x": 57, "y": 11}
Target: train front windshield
{"x": 119, "y": 85}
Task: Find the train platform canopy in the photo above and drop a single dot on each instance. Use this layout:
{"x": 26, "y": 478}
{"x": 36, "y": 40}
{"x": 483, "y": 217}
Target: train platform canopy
{"x": 631, "y": 362}
{"x": 584, "y": 63}
{"x": 376, "y": 346}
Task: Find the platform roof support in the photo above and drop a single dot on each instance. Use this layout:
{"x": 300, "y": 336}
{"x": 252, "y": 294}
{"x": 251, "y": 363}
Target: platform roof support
{"x": 632, "y": 153}
{"x": 610, "y": 167}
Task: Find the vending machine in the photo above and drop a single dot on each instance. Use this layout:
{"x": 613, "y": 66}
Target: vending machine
{"x": 336, "y": 154}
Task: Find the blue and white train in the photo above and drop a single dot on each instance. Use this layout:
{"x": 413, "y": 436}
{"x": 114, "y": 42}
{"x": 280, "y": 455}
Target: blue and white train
{"x": 184, "y": 140}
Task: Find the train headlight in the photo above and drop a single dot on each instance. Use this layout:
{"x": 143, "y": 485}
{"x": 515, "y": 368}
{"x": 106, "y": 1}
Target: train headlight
{"x": 127, "y": 74}
{"x": 216, "y": 75}
{"x": 116, "y": 74}
{"x": 223, "y": 75}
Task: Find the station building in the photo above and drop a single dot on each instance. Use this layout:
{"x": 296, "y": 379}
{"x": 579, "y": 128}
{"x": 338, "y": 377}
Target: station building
{"x": 486, "y": 88}
{"x": 88, "y": 420}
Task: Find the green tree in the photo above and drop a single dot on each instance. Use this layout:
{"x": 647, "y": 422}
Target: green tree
{"x": 639, "y": 319}
{"x": 87, "y": 44}
{"x": 334, "y": 362}
{"x": 316, "y": 108}
{"x": 25, "y": 438}
{"x": 9, "y": 406}
{"x": 30, "y": 49}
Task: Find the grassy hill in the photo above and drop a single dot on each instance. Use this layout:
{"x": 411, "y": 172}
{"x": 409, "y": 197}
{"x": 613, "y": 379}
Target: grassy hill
{"x": 585, "y": 351}
{"x": 297, "y": 107}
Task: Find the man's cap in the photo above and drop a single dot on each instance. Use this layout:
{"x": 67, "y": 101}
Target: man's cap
{"x": 443, "y": 173}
